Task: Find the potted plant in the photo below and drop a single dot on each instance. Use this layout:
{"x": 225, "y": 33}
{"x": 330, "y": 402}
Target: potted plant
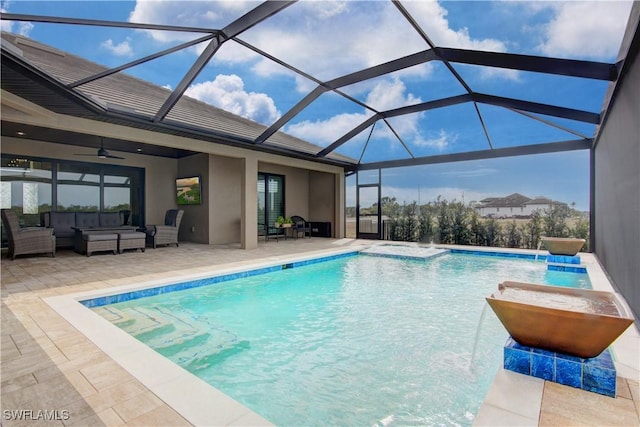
{"x": 283, "y": 222}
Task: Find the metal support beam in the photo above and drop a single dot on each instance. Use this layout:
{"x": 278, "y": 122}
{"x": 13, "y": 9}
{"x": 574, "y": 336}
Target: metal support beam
{"x": 101, "y": 23}
{"x": 525, "y": 150}
{"x": 382, "y": 69}
{"x": 424, "y": 106}
{"x": 246, "y": 21}
{"x": 312, "y": 96}
{"x": 368, "y": 73}
{"x": 539, "y": 64}
{"x": 140, "y": 61}
{"x": 193, "y": 72}
{"x": 255, "y": 16}
{"x": 535, "y": 107}
{"x": 347, "y": 136}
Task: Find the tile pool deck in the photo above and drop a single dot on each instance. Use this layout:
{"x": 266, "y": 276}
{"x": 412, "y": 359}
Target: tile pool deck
{"x": 48, "y": 365}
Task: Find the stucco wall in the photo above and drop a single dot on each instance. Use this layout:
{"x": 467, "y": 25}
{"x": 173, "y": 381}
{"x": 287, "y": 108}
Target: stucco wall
{"x": 225, "y": 199}
{"x": 322, "y": 205}
{"x": 617, "y": 190}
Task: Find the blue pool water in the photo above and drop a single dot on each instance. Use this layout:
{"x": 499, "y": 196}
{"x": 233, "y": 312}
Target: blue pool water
{"x": 353, "y": 341}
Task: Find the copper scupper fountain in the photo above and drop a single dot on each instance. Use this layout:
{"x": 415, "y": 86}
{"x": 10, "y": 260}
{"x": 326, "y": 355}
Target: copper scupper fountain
{"x": 578, "y": 322}
{"x": 562, "y": 245}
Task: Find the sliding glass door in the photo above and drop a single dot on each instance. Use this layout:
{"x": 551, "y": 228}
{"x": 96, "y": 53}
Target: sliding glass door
{"x": 30, "y": 186}
{"x": 270, "y": 200}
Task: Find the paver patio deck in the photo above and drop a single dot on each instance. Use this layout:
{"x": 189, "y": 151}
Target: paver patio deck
{"x": 46, "y": 364}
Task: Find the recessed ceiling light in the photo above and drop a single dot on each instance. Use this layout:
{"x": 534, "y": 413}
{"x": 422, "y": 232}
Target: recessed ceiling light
{"x": 139, "y": 150}
{"x": 20, "y": 133}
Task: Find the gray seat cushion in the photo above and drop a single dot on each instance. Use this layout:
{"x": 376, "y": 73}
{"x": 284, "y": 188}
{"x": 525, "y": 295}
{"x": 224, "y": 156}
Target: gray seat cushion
{"x": 131, "y": 235}
{"x": 61, "y": 222}
{"x": 110, "y": 219}
{"x": 91, "y": 237}
{"x": 87, "y": 219}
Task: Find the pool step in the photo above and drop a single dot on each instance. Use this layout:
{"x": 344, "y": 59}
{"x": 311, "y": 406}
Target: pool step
{"x": 145, "y": 322}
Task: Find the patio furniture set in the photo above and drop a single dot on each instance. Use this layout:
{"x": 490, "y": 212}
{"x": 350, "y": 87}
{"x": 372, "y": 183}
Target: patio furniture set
{"x": 293, "y": 229}
{"x": 88, "y": 232}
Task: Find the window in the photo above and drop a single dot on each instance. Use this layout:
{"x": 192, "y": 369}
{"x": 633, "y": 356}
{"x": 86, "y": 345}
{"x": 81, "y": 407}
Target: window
{"x": 270, "y": 199}
{"x": 25, "y": 187}
{"x": 78, "y": 187}
{"x": 30, "y": 186}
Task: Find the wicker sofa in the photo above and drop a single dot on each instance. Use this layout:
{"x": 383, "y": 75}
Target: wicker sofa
{"x": 62, "y": 223}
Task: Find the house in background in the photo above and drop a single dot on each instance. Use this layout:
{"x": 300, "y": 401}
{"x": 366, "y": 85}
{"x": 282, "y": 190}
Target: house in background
{"x": 514, "y": 206}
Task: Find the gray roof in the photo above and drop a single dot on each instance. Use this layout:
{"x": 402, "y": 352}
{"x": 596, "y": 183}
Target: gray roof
{"x": 124, "y": 93}
{"x": 515, "y": 200}
{"x": 512, "y": 200}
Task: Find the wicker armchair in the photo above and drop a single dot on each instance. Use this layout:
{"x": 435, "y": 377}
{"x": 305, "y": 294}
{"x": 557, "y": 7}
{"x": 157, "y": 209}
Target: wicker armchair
{"x": 166, "y": 234}
{"x": 300, "y": 226}
{"x": 28, "y": 240}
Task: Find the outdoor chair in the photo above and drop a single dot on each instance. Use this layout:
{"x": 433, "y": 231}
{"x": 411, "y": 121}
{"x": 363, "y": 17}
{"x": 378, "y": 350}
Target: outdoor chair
{"x": 166, "y": 234}
{"x": 27, "y": 240}
{"x": 300, "y": 226}
{"x": 262, "y": 231}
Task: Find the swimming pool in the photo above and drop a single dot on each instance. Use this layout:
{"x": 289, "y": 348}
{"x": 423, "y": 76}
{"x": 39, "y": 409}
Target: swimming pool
{"x": 355, "y": 340}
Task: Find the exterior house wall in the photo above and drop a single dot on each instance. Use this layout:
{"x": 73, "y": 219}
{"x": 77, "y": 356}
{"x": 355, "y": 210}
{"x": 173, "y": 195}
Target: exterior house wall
{"x": 511, "y": 211}
{"x": 502, "y": 211}
{"x": 322, "y": 204}
{"x": 225, "y": 198}
{"x": 616, "y": 180}
{"x": 529, "y": 209}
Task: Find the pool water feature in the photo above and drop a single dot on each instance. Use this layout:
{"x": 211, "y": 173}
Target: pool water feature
{"x": 352, "y": 341}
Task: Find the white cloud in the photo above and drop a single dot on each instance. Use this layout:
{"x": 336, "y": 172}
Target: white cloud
{"x": 591, "y": 29}
{"x": 432, "y": 17}
{"x": 326, "y": 131}
{"x": 120, "y": 49}
{"x": 440, "y": 141}
{"x": 227, "y": 92}
{"x": 476, "y": 172}
{"x": 387, "y": 95}
{"x": 167, "y": 86}
{"x": 209, "y": 14}
{"x": 23, "y": 28}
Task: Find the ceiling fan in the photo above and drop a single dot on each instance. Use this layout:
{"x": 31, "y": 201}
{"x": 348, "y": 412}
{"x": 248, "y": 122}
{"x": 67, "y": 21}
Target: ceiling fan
{"x": 102, "y": 152}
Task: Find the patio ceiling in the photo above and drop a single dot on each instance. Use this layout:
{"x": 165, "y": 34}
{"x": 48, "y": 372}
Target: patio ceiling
{"x": 556, "y": 123}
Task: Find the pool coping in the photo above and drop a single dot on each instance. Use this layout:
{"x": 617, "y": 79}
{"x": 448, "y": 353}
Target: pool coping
{"x": 193, "y": 398}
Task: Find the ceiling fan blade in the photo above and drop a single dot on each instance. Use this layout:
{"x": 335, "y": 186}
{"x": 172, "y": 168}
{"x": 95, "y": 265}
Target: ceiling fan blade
{"x": 102, "y": 153}
{"x": 104, "y": 156}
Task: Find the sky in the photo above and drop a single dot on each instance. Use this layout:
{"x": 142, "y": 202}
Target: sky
{"x": 328, "y": 39}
